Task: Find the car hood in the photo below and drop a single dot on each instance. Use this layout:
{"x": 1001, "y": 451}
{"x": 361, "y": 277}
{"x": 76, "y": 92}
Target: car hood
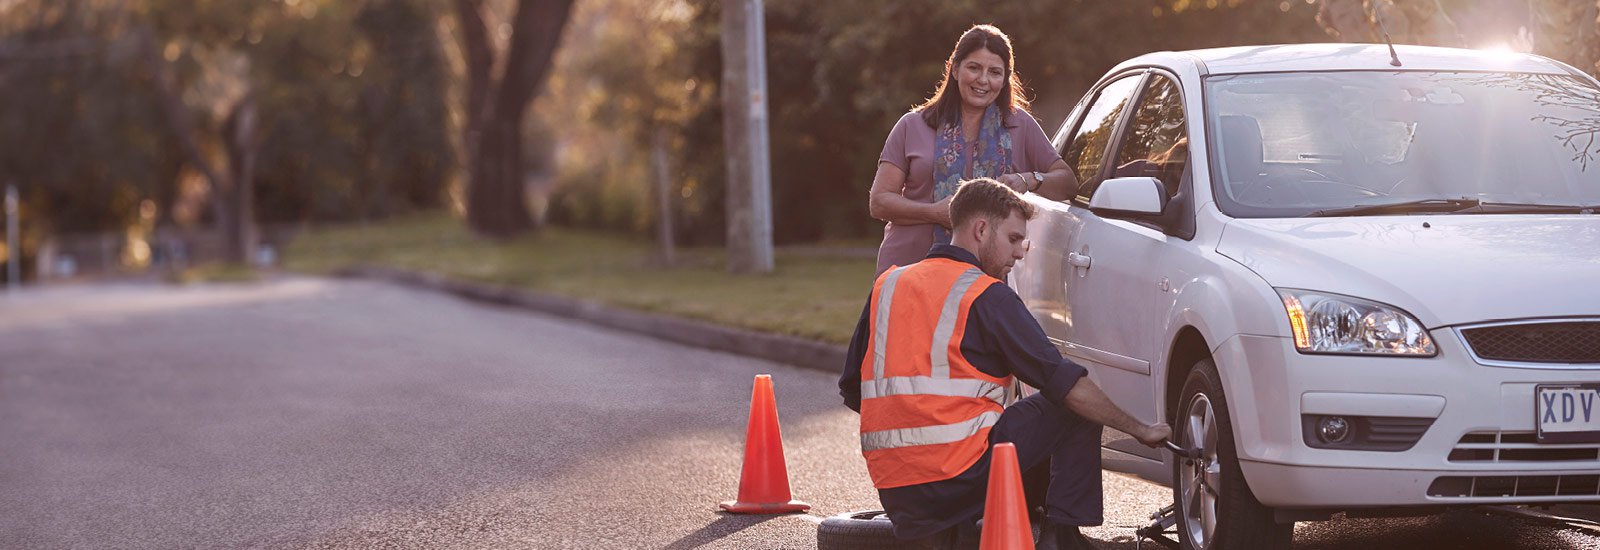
{"x": 1445, "y": 270}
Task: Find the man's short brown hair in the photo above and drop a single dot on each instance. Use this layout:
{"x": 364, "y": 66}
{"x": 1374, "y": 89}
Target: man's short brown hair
{"x": 986, "y": 198}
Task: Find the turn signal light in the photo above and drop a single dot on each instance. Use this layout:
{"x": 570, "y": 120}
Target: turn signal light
{"x": 1297, "y": 321}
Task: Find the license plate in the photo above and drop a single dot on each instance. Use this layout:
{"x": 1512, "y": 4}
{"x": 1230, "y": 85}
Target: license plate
{"x": 1567, "y": 413}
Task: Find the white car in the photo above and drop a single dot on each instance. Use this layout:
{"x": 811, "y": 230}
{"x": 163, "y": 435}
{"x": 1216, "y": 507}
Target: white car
{"x": 1358, "y": 281}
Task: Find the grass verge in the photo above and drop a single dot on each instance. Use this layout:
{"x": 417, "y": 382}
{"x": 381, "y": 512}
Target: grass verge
{"x": 214, "y": 273}
{"x": 810, "y": 295}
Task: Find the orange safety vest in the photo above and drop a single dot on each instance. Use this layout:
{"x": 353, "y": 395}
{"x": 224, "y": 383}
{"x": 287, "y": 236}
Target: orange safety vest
{"x": 925, "y": 410}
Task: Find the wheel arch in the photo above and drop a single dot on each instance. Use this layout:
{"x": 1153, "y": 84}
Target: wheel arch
{"x": 1215, "y": 308}
{"x": 1188, "y": 347}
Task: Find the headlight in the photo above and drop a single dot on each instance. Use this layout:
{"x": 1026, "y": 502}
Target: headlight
{"x": 1330, "y": 323}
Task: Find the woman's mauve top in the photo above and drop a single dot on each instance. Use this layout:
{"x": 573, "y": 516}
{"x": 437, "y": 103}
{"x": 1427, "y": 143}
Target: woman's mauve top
{"x": 910, "y": 148}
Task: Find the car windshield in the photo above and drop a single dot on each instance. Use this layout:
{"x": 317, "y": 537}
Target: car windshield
{"x": 1335, "y": 143}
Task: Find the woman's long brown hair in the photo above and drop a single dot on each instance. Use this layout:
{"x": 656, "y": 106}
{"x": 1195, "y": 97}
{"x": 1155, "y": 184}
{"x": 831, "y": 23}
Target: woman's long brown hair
{"x": 945, "y": 105}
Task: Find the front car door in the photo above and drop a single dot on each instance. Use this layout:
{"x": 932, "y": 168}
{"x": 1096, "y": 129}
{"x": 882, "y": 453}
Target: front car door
{"x": 1083, "y": 142}
{"x": 1123, "y": 285}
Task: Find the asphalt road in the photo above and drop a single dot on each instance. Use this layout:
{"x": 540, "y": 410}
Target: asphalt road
{"x": 322, "y": 413}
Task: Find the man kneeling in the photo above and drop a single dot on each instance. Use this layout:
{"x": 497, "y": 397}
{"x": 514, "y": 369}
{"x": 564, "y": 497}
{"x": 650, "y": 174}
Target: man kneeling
{"x": 937, "y": 345}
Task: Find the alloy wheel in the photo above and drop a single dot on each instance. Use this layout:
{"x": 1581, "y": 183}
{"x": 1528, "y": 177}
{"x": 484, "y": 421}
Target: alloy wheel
{"x": 1200, "y": 479}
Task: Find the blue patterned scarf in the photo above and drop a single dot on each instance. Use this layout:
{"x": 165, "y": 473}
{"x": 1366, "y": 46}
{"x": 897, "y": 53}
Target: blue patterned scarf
{"x": 988, "y": 158}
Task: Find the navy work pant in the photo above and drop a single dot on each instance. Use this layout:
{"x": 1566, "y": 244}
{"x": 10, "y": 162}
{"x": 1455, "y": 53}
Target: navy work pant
{"x": 1048, "y": 437}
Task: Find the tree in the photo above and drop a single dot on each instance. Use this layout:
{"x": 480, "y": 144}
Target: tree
{"x": 1560, "y": 29}
{"x": 212, "y": 110}
{"x": 496, "y": 201}
{"x": 55, "y": 79}
{"x": 621, "y": 92}
{"x": 232, "y": 184}
{"x": 357, "y": 124}
{"x": 403, "y": 144}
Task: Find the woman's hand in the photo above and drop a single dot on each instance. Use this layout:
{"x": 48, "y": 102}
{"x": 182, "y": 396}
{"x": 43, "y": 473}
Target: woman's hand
{"x": 1059, "y": 183}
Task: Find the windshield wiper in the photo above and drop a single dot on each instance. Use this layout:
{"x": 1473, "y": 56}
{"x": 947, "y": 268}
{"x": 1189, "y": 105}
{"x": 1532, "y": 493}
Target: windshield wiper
{"x": 1530, "y": 208}
{"x": 1423, "y": 205}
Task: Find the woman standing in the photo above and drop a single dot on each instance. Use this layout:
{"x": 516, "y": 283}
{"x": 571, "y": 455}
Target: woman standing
{"x": 976, "y": 125}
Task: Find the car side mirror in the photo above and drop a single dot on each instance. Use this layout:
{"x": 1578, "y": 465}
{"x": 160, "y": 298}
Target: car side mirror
{"x": 1123, "y": 197}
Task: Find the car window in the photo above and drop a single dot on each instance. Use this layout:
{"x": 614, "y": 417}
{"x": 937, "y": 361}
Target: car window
{"x": 1156, "y": 144}
{"x": 1087, "y": 148}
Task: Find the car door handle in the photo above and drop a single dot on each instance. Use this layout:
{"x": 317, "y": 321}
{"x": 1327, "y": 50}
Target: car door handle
{"x": 1079, "y": 260}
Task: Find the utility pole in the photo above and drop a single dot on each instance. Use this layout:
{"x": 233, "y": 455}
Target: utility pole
{"x": 744, "y": 136}
{"x": 13, "y": 248}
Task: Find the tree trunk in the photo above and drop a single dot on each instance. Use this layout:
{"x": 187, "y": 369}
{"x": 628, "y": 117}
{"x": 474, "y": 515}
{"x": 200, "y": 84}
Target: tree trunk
{"x": 658, "y": 161}
{"x": 1585, "y": 55}
{"x": 232, "y": 196}
{"x": 244, "y": 140}
{"x": 497, "y": 205}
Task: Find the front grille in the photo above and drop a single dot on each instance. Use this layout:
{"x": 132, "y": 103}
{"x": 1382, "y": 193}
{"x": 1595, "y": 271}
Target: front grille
{"x": 1552, "y": 342}
{"x": 1516, "y": 486}
{"x": 1519, "y": 447}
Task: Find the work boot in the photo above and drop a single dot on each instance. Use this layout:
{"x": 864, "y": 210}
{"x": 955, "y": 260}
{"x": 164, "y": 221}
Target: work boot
{"x": 1056, "y": 536}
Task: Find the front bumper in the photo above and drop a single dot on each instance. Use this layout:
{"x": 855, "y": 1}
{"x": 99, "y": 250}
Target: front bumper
{"x": 1270, "y": 385}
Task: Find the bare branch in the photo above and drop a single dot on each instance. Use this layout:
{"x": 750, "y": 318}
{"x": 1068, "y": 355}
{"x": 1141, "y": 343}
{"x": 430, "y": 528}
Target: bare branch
{"x": 179, "y": 121}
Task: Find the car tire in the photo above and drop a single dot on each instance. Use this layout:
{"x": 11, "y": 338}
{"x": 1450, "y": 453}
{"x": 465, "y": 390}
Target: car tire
{"x": 867, "y": 530}
{"x": 1215, "y": 508}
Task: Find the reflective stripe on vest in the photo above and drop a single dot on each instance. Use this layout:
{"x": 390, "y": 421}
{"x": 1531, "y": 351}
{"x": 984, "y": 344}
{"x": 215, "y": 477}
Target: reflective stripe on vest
{"x": 927, "y": 435}
{"x": 927, "y": 385}
{"x": 918, "y": 390}
{"x": 885, "y": 298}
{"x": 947, "y": 323}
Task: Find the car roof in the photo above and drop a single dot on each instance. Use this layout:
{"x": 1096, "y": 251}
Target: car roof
{"x": 1336, "y": 57}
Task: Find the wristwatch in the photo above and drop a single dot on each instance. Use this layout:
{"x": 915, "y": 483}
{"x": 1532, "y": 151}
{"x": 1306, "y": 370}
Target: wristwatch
{"x": 1038, "y": 179}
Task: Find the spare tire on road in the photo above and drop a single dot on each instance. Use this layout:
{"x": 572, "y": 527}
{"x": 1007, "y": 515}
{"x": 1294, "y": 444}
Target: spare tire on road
{"x": 866, "y": 530}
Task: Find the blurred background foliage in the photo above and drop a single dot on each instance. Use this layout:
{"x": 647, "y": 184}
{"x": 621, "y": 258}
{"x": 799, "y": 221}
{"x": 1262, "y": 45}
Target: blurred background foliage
{"x": 360, "y": 106}
{"x": 353, "y": 98}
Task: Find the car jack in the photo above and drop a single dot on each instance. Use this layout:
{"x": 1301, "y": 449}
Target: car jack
{"x": 1157, "y": 531}
{"x": 1163, "y": 522}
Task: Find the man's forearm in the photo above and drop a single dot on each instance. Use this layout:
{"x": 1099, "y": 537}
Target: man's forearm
{"x": 1086, "y": 399}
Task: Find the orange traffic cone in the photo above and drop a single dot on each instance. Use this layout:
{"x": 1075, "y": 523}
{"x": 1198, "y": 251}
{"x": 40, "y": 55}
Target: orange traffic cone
{"x": 1005, "y": 509}
{"x": 764, "y": 482}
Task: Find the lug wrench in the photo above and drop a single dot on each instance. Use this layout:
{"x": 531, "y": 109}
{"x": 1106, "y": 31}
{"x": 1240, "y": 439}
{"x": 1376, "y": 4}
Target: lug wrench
{"x": 1180, "y": 451}
{"x": 1167, "y": 516}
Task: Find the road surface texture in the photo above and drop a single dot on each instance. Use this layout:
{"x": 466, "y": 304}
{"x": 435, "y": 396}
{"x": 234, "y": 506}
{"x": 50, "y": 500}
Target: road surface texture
{"x": 316, "y": 413}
